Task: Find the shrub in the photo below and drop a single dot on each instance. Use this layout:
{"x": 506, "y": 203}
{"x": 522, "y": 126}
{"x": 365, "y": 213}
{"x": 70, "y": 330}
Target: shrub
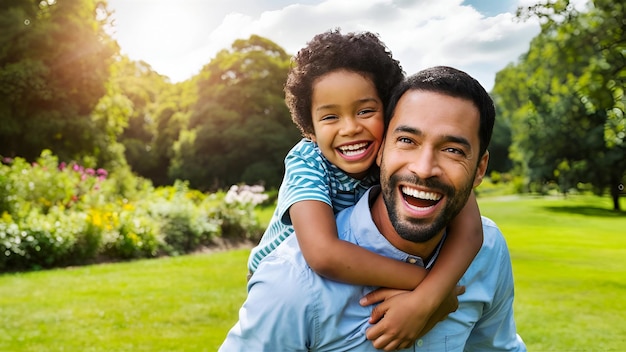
{"x": 133, "y": 234}
{"x": 54, "y": 214}
{"x": 40, "y": 240}
{"x": 236, "y": 211}
{"x": 185, "y": 223}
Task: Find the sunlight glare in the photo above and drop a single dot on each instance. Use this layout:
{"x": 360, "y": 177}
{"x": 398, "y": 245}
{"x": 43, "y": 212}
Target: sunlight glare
{"x": 160, "y": 32}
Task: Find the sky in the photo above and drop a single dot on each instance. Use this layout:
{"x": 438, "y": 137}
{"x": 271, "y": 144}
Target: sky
{"x": 178, "y": 37}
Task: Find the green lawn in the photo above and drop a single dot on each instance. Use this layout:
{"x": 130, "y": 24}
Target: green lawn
{"x": 171, "y": 304}
{"x": 569, "y": 262}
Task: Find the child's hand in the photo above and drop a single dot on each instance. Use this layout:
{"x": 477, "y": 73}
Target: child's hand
{"x": 450, "y": 304}
{"x": 406, "y": 317}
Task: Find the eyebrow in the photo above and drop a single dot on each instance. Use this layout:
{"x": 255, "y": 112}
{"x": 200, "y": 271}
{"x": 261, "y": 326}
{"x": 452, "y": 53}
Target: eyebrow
{"x": 447, "y": 138}
{"x": 359, "y": 101}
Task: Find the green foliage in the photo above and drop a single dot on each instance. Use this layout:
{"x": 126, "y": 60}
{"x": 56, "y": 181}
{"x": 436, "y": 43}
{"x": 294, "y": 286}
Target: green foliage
{"x": 158, "y": 112}
{"x": 498, "y": 184}
{"x": 56, "y": 214}
{"x": 65, "y": 87}
{"x": 54, "y": 62}
{"x": 237, "y": 212}
{"x": 564, "y": 100}
{"x": 186, "y": 218}
{"x": 239, "y": 129}
{"x": 128, "y": 232}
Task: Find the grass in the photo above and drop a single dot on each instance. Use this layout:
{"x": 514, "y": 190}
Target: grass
{"x": 171, "y": 304}
{"x": 569, "y": 262}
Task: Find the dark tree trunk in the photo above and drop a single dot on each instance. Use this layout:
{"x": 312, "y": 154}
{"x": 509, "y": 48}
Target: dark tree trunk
{"x": 615, "y": 194}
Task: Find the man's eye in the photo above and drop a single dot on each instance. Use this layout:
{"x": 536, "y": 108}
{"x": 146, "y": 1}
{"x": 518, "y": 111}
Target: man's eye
{"x": 405, "y": 140}
{"x": 454, "y": 151}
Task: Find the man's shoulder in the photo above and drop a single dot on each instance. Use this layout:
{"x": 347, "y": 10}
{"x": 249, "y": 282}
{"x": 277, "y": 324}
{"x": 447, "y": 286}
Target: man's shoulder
{"x": 288, "y": 252}
{"x": 492, "y": 236}
{"x": 494, "y": 253}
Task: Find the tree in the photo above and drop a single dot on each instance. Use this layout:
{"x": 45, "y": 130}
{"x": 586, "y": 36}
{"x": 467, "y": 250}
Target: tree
{"x": 239, "y": 129}
{"x": 159, "y": 110}
{"x": 54, "y": 62}
{"x": 565, "y": 97}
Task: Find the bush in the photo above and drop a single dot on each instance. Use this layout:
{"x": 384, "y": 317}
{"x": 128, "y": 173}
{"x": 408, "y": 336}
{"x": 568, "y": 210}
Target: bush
{"x": 55, "y": 214}
{"x": 40, "y": 240}
{"x": 184, "y": 220}
{"x": 136, "y": 235}
{"x": 236, "y": 212}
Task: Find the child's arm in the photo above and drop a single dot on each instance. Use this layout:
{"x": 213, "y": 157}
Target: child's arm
{"x": 405, "y": 321}
{"x": 316, "y": 231}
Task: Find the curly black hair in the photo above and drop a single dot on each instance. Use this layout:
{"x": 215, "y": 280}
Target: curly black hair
{"x": 361, "y": 52}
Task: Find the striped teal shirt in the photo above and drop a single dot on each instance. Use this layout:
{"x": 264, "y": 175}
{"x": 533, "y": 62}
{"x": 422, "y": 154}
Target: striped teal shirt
{"x": 308, "y": 176}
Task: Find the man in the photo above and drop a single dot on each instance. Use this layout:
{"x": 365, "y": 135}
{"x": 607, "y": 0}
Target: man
{"x": 434, "y": 153}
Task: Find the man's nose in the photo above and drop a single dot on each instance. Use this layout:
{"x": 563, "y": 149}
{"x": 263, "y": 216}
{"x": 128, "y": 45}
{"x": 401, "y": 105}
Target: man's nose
{"x": 424, "y": 163}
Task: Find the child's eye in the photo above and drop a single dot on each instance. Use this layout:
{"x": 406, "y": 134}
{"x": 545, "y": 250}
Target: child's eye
{"x": 328, "y": 118}
{"x": 366, "y": 112}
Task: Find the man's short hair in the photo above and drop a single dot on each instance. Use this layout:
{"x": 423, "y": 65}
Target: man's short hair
{"x": 454, "y": 83}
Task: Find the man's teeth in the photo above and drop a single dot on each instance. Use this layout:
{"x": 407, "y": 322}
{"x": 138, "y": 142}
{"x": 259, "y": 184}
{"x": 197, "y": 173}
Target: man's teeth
{"x": 353, "y": 149}
{"x": 421, "y": 194}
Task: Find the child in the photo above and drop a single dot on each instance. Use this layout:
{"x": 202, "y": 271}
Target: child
{"x": 336, "y": 92}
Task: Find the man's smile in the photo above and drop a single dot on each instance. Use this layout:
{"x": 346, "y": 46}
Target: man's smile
{"x": 418, "y": 199}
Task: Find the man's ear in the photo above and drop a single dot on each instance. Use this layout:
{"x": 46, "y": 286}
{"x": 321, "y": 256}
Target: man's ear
{"x": 481, "y": 169}
{"x": 379, "y": 157}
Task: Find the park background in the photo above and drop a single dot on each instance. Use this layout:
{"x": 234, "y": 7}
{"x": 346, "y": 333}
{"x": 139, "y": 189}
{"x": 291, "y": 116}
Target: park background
{"x": 106, "y": 160}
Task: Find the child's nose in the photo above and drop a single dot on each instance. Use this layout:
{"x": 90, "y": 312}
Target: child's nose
{"x": 350, "y": 126}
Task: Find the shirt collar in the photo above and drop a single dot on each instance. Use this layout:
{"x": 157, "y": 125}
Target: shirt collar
{"x": 367, "y": 235}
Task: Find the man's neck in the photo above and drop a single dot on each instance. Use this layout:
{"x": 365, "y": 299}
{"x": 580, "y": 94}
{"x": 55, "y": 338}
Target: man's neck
{"x": 380, "y": 216}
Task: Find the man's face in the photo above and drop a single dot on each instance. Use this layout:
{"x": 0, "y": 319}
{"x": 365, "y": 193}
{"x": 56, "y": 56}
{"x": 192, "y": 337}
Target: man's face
{"x": 429, "y": 162}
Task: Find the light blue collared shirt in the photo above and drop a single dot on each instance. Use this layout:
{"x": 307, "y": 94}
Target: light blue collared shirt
{"x": 291, "y": 308}
{"x": 308, "y": 176}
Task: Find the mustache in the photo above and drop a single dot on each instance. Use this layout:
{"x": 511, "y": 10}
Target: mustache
{"x": 431, "y": 183}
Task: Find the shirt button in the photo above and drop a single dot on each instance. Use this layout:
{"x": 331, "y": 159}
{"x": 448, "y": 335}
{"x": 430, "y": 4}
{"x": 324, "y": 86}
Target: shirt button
{"x": 420, "y": 342}
{"x": 412, "y": 260}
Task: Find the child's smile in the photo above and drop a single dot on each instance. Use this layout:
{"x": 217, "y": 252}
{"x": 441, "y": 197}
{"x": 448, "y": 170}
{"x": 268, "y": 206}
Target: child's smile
{"x": 355, "y": 151}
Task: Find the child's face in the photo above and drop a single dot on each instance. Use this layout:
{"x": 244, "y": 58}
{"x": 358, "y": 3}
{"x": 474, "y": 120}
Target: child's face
{"x": 348, "y": 120}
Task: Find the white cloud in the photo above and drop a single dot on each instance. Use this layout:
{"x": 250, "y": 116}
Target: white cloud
{"x": 420, "y": 33}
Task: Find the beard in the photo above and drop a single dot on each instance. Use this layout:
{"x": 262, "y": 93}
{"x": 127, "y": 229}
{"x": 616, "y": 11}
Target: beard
{"x": 421, "y": 230}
